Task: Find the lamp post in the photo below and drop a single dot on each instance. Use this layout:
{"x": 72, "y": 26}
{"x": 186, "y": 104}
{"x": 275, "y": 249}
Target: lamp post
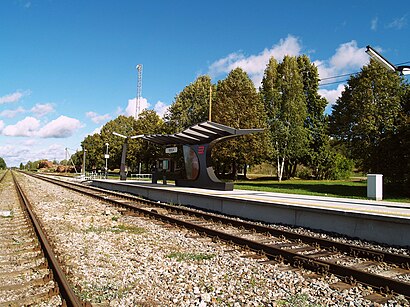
{"x": 402, "y": 70}
{"x": 84, "y": 151}
{"x": 123, "y": 176}
{"x": 106, "y": 160}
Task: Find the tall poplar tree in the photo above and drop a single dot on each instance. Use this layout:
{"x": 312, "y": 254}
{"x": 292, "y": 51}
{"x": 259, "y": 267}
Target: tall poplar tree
{"x": 316, "y": 120}
{"x": 237, "y": 104}
{"x": 191, "y": 106}
{"x": 285, "y": 104}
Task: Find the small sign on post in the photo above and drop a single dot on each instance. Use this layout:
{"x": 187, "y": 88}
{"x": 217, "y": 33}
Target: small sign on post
{"x": 170, "y": 150}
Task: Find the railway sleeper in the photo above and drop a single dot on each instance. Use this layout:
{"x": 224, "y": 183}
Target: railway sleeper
{"x": 31, "y": 300}
{"x": 358, "y": 252}
{"x": 321, "y": 254}
{"x": 42, "y": 281}
{"x": 300, "y": 249}
{"x": 310, "y": 264}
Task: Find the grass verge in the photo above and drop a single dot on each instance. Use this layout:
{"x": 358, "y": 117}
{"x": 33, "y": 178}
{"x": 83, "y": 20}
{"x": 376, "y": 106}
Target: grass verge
{"x": 353, "y": 188}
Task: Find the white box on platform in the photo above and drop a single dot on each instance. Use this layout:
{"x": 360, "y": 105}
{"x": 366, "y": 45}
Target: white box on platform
{"x": 375, "y": 186}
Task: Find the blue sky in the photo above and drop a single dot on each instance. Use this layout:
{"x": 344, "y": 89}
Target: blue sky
{"x": 68, "y": 67}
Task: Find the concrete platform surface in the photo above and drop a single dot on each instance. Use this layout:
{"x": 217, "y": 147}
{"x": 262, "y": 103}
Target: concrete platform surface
{"x": 379, "y": 221}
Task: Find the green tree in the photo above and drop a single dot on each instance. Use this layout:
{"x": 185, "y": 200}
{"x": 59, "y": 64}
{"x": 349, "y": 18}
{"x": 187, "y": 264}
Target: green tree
{"x": 237, "y": 104}
{"x": 370, "y": 110}
{"x": 191, "y": 106}
{"x": 316, "y": 120}
{"x": 393, "y": 154}
{"x": 285, "y": 103}
{"x": 141, "y": 151}
{"x": 32, "y": 165}
{"x": 95, "y": 152}
{"x": 123, "y": 125}
{"x": 21, "y": 166}
{"x": 2, "y": 163}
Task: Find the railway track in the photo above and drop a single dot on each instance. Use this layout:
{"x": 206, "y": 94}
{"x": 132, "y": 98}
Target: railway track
{"x": 29, "y": 271}
{"x": 385, "y": 272}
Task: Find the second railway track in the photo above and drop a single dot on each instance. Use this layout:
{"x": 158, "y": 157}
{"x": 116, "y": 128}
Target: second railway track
{"x": 385, "y": 272}
{"x": 29, "y": 271}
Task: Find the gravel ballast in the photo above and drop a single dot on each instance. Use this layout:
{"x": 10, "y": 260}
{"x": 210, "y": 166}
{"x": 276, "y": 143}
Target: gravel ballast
{"x": 122, "y": 260}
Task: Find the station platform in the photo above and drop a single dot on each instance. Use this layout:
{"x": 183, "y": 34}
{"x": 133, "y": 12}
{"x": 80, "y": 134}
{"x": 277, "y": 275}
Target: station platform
{"x": 377, "y": 221}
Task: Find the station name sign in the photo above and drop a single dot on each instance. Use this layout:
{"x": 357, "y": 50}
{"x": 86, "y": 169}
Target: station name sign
{"x": 170, "y": 150}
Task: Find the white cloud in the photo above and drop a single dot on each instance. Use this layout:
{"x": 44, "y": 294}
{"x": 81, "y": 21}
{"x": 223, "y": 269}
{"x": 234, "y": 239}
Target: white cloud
{"x": 96, "y": 130}
{"x": 14, "y": 97}
{"x": 62, "y": 127}
{"x": 348, "y": 58}
{"x": 52, "y": 152}
{"x": 398, "y": 23}
{"x": 12, "y": 113}
{"x": 96, "y": 118}
{"x": 14, "y": 154}
{"x": 161, "y": 108}
{"x": 130, "y": 109}
{"x": 22, "y": 153}
{"x": 42, "y": 109}
{"x": 332, "y": 95}
{"x": 25, "y": 127}
{"x": 29, "y": 142}
{"x": 119, "y": 111}
{"x": 1, "y": 125}
{"x": 255, "y": 65}
{"x": 373, "y": 23}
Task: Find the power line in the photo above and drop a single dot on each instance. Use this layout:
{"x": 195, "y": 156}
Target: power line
{"x": 336, "y": 82}
{"x": 403, "y": 63}
{"x": 349, "y": 74}
{"x": 335, "y": 77}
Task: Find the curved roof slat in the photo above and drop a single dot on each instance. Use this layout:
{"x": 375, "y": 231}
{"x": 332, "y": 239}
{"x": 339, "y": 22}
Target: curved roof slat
{"x": 201, "y": 133}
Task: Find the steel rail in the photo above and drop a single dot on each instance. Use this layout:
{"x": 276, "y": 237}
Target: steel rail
{"x": 2, "y": 176}
{"x": 351, "y": 275}
{"x": 67, "y": 293}
{"x": 400, "y": 260}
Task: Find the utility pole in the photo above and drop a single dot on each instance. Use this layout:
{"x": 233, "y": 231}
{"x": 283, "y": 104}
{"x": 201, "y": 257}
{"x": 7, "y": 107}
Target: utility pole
{"x": 84, "y": 151}
{"x": 123, "y": 175}
{"x": 139, "y": 91}
{"x": 210, "y": 104}
{"x": 106, "y": 156}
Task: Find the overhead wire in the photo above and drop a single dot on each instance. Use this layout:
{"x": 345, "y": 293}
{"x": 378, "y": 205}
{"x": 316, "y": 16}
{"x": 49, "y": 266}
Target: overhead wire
{"x": 335, "y": 77}
{"x": 336, "y": 82}
{"x": 344, "y": 75}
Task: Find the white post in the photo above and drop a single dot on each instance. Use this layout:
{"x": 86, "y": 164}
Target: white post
{"x": 375, "y": 186}
{"x": 106, "y": 160}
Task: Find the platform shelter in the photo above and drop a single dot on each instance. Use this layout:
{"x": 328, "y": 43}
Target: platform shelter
{"x": 197, "y": 142}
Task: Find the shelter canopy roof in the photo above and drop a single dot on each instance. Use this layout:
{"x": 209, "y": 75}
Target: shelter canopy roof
{"x": 202, "y": 133}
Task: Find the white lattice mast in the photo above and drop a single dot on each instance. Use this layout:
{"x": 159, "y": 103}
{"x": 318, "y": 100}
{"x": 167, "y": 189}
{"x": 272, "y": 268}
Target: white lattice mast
{"x": 139, "y": 91}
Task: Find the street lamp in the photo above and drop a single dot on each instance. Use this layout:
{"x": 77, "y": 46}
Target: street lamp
{"x": 84, "y": 151}
{"x": 403, "y": 70}
{"x": 123, "y": 176}
{"x": 106, "y": 156}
